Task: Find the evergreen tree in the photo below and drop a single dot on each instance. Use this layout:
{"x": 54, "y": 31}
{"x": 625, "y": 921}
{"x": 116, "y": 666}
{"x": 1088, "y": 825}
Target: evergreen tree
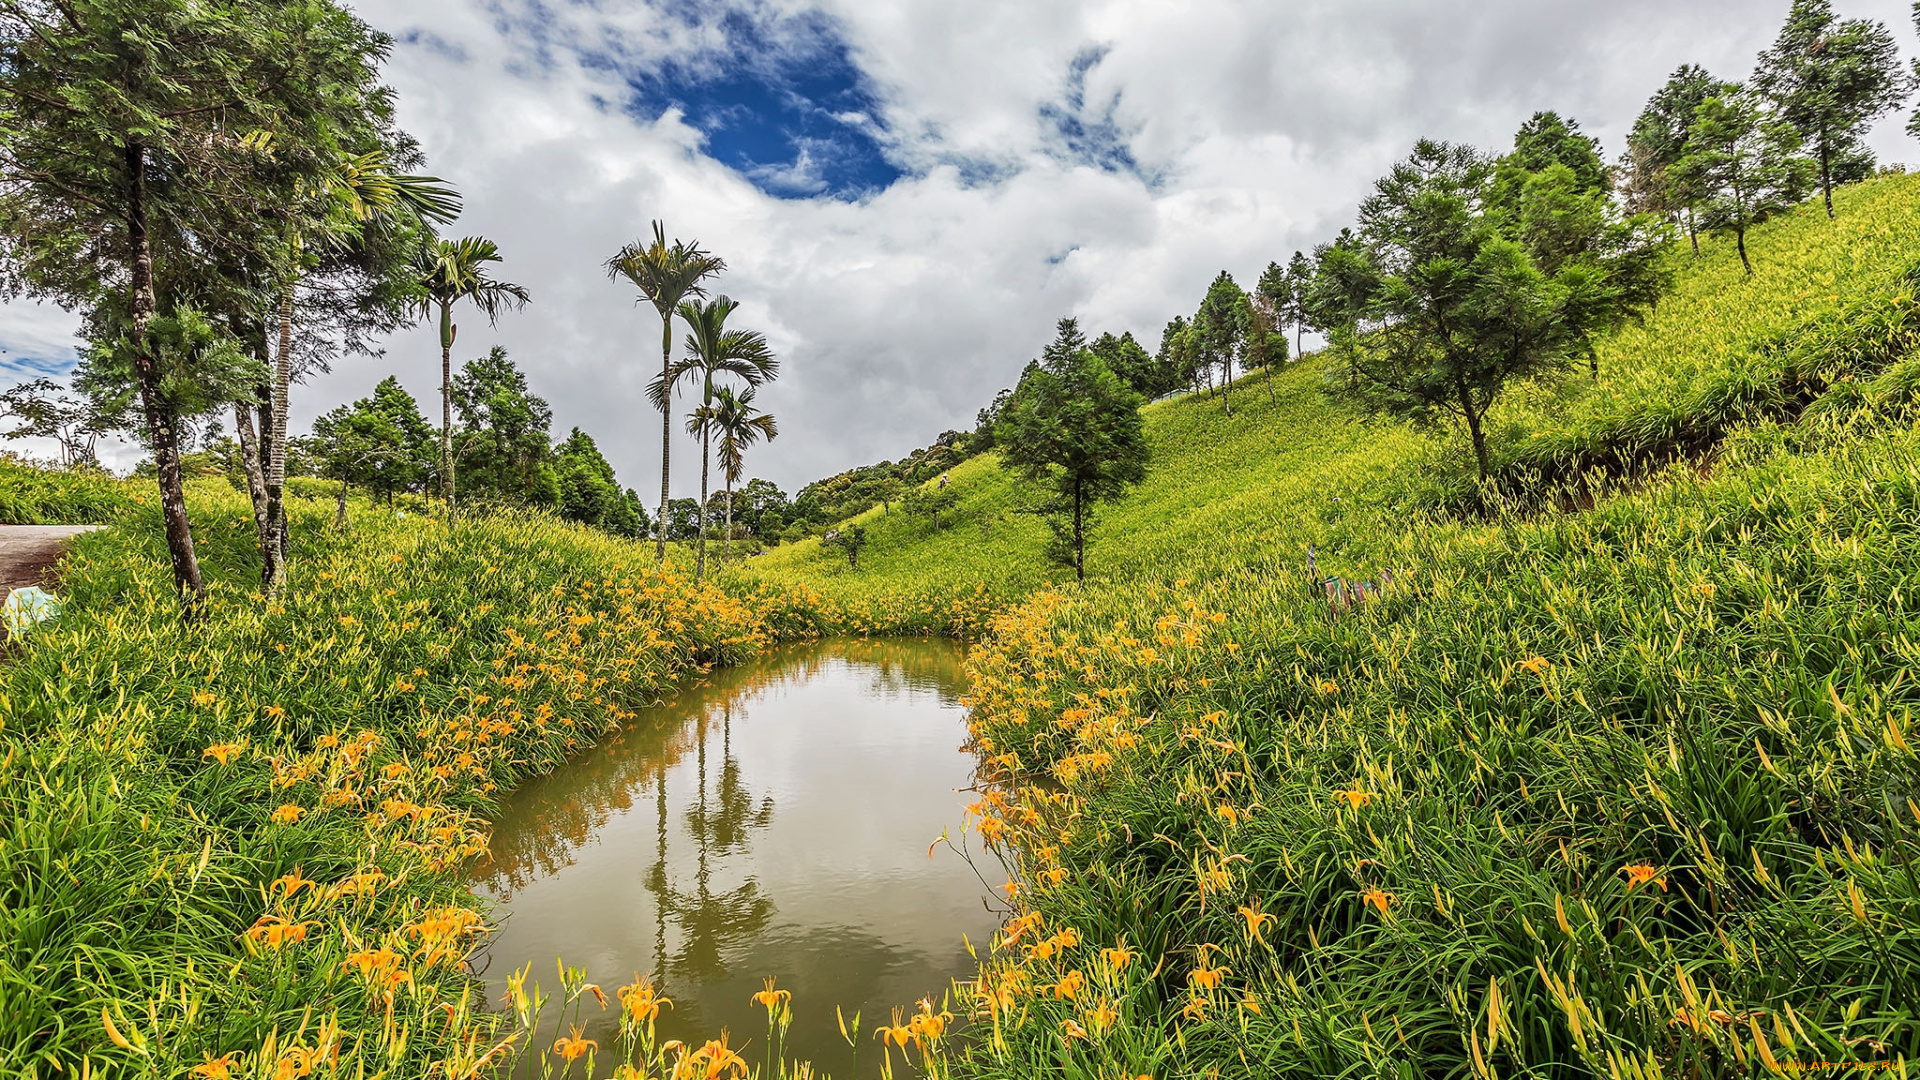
{"x": 380, "y": 443}
{"x": 1074, "y": 426}
{"x": 1543, "y": 142}
{"x": 1460, "y": 311}
{"x": 589, "y": 493}
{"x": 503, "y": 451}
{"x": 1744, "y": 162}
{"x": 1128, "y": 359}
{"x": 1831, "y": 79}
{"x": 1344, "y": 282}
{"x": 1220, "y": 332}
{"x": 1659, "y": 141}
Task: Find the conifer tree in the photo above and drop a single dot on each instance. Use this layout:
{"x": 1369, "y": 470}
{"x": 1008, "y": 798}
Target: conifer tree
{"x": 1075, "y": 427}
{"x": 1831, "y": 79}
{"x": 1744, "y": 162}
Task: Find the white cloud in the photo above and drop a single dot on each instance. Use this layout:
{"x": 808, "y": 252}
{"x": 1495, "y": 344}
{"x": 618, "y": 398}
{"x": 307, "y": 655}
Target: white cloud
{"x": 1260, "y": 123}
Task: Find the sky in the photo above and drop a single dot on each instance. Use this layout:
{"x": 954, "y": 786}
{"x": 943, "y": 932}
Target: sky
{"x": 909, "y": 194}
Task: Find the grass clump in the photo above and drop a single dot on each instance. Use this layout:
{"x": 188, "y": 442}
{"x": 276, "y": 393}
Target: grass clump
{"x": 1631, "y": 793}
{"x": 239, "y": 841}
{"x": 33, "y": 495}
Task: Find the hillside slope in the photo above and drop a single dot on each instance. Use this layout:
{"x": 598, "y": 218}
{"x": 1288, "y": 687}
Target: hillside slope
{"x": 1832, "y": 303}
{"x": 1629, "y": 791}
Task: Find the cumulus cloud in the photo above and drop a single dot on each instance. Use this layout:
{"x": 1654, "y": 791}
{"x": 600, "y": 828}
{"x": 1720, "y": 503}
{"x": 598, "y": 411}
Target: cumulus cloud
{"x": 908, "y": 195}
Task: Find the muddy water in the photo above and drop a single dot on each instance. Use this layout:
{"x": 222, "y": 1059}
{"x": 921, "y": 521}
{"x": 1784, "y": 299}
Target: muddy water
{"x": 772, "y": 820}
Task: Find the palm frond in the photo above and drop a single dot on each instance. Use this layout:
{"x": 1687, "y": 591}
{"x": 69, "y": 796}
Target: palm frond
{"x": 666, "y": 274}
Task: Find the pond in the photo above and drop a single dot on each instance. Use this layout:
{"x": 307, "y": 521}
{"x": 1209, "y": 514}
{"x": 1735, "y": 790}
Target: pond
{"x": 773, "y": 819}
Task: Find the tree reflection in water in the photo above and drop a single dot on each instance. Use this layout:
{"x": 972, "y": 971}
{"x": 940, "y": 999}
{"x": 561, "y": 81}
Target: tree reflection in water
{"x": 710, "y": 922}
{"x": 792, "y": 802}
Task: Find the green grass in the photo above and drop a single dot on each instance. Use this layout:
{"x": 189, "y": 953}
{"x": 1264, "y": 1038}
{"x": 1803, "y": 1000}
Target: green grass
{"x": 30, "y": 495}
{"x": 173, "y": 797}
{"x": 1395, "y": 841}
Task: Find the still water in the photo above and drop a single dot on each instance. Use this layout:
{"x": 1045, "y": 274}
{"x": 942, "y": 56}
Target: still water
{"x": 774, "y": 819}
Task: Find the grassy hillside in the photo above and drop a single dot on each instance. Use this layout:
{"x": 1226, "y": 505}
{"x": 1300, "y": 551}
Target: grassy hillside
{"x": 1631, "y": 791}
{"x": 1832, "y": 304}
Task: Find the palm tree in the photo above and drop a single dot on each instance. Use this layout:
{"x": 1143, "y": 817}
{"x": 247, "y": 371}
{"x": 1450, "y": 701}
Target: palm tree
{"x": 452, "y": 271}
{"x": 712, "y": 351}
{"x": 738, "y": 425}
{"x": 358, "y": 194}
{"x": 666, "y": 276}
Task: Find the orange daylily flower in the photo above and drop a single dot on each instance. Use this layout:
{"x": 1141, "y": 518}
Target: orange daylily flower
{"x": 274, "y": 931}
{"x": 215, "y": 1068}
{"x": 1355, "y": 797}
{"x": 1378, "y": 898}
{"x": 771, "y": 999}
{"x": 1102, "y": 1016}
{"x": 1117, "y": 959}
{"x": 224, "y": 753}
{"x": 570, "y": 1047}
{"x": 1256, "y": 921}
{"x": 1534, "y": 665}
{"x": 288, "y": 814}
{"x": 1639, "y": 874}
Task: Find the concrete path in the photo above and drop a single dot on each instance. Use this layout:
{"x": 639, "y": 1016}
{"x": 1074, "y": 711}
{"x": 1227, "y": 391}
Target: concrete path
{"x": 27, "y": 552}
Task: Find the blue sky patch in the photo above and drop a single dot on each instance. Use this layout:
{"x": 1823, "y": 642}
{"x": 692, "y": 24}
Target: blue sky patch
{"x": 1087, "y": 135}
{"x": 785, "y": 105}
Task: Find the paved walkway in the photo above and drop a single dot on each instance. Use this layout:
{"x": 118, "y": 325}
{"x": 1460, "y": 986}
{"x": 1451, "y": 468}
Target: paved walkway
{"x": 27, "y": 552}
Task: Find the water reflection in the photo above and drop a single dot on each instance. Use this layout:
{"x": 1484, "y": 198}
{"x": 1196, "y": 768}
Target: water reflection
{"x": 772, "y": 820}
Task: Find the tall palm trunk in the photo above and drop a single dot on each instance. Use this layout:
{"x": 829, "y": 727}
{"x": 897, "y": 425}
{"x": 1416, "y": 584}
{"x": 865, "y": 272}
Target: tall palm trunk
{"x": 729, "y": 554}
{"x": 161, "y": 423}
{"x": 446, "y": 405}
{"x": 273, "y": 567}
{"x": 700, "y": 545}
{"x": 666, "y": 435}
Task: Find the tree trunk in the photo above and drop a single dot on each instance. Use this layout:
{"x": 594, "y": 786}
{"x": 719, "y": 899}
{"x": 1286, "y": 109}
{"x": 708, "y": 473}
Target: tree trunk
{"x": 340, "y": 509}
{"x": 1740, "y": 239}
{"x": 273, "y": 566}
{"x": 1693, "y": 232}
{"x": 1299, "y": 336}
{"x": 159, "y": 416}
{"x": 1226, "y": 384}
{"x": 1826, "y": 170}
{"x": 1473, "y": 429}
{"x": 729, "y": 479}
{"x": 250, "y": 464}
{"x": 700, "y": 541}
{"x": 666, "y": 433}
{"x": 447, "y": 333}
